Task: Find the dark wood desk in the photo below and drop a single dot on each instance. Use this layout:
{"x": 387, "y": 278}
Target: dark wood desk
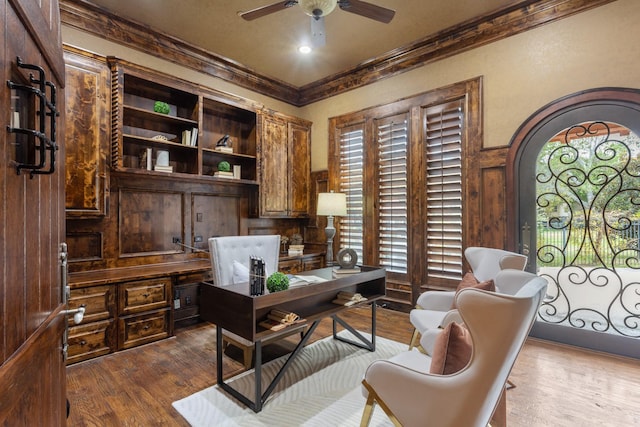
{"x": 234, "y": 309}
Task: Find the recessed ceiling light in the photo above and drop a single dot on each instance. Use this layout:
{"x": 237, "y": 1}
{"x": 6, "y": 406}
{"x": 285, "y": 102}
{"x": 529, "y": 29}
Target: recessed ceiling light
{"x": 304, "y": 49}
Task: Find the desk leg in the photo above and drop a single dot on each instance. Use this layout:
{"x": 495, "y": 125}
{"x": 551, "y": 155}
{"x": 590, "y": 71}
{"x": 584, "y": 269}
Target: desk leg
{"x": 219, "y": 354}
{"x": 364, "y": 342}
{"x": 259, "y": 400}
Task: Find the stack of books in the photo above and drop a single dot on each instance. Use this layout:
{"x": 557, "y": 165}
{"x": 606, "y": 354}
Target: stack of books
{"x": 257, "y": 273}
{"x": 190, "y": 137}
{"x": 348, "y": 298}
{"x": 223, "y": 149}
{"x": 278, "y": 319}
{"x": 338, "y": 271}
{"x": 222, "y": 174}
{"x": 295, "y": 250}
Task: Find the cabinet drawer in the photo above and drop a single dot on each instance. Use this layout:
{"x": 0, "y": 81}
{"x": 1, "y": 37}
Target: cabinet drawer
{"x": 90, "y": 340}
{"x": 99, "y": 302}
{"x": 144, "y": 295}
{"x": 291, "y": 266}
{"x": 143, "y": 328}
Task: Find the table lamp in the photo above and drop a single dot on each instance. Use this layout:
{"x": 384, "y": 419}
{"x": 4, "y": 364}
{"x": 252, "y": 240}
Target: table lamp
{"x": 330, "y": 205}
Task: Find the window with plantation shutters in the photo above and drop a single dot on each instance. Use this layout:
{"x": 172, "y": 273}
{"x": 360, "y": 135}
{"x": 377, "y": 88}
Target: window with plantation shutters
{"x": 401, "y": 166}
{"x": 392, "y": 138}
{"x": 351, "y": 181}
{"x": 443, "y": 158}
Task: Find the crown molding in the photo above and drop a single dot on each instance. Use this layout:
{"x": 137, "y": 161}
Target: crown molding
{"x": 523, "y": 16}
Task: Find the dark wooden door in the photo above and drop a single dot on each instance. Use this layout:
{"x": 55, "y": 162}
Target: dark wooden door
{"x": 32, "y": 373}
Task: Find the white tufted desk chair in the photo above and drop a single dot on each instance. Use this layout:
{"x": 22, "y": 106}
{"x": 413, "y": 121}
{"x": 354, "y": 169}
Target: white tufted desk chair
{"x": 230, "y": 250}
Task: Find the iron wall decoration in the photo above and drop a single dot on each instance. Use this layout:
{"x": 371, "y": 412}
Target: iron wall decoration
{"x": 588, "y": 202}
{"x": 46, "y": 108}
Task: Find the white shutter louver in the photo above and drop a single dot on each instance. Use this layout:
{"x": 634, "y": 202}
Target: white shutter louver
{"x": 392, "y": 194}
{"x": 443, "y": 137}
{"x": 351, "y": 183}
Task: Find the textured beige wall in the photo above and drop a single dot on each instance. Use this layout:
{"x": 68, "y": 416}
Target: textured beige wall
{"x": 521, "y": 74}
{"x": 97, "y": 45}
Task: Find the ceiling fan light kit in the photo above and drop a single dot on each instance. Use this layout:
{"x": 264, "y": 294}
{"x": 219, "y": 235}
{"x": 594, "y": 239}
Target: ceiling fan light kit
{"x": 317, "y": 8}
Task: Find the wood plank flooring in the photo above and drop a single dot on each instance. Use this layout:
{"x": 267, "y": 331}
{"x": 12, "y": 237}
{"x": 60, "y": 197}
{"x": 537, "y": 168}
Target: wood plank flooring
{"x": 555, "y": 385}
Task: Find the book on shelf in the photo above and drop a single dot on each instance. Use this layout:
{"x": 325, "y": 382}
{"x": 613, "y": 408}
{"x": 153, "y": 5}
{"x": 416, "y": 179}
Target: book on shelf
{"x": 186, "y": 137}
{"x": 348, "y": 298}
{"x": 279, "y": 319}
{"x": 146, "y": 158}
{"x": 159, "y": 168}
{"x": 221, "y": 174}
{"x": 224, "y": 149}
{"x": 237, "y": 171}
{"x": 194, "y": 137}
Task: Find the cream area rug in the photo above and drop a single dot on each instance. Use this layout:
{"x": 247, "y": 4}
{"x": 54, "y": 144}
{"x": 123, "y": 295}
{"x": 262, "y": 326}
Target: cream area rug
{"x": 321, "y": 388}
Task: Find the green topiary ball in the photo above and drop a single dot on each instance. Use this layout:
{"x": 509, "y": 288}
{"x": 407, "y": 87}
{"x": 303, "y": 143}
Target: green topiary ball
{"x": 224, "y": 167}
{"x": 277, "y": 282}
{"x": 161, "y": 107}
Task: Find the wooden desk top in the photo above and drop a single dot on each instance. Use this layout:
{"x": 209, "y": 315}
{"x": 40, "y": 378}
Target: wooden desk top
{"x": 233, "y": 308}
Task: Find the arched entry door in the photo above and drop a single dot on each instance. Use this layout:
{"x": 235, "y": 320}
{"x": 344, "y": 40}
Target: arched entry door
{"x": 574, "y": 169}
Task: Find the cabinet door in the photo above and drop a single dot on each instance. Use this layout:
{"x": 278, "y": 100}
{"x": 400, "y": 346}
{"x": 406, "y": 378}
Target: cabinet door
{"x": 300, "y": 166}
{"x": 87, "y": 135}
{"x": 274, "y": 168}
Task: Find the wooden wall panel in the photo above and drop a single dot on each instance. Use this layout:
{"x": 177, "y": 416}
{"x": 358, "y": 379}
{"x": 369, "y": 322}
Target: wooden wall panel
{"x": 493, "y": 218}
{"x": 149, "y": 221}
{"x": 85, "y": 246}
{"x": 213, "y": 216}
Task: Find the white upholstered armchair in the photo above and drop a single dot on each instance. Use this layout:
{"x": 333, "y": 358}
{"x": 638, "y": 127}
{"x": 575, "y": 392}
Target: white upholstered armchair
{"x": 498, "y": 325}
{"x": 434, "y": 308}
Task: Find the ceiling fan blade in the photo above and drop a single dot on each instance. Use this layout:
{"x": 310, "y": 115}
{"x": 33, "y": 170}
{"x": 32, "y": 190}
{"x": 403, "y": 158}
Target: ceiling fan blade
{"x": 318, "y": 35}
{"x": 266, "y": 10}
{"x": 368, "y": 10}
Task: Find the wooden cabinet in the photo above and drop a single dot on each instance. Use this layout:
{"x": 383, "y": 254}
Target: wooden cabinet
{"x": 127, "y": 307}
{"x": 285, "y": 168}
{"x": 87, "y": 133}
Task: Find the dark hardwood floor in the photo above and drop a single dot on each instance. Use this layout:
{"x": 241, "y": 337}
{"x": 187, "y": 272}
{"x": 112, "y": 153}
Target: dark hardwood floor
{"x": 555, "y": 385}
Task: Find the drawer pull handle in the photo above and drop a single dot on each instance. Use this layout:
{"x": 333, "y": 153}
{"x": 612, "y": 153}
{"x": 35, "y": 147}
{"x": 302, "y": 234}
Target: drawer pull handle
{"x": 83, "y": 342}
{"x": 145, "y": 295}
{"x": 147, "y": 327}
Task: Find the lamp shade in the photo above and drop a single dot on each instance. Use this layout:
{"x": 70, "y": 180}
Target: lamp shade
{"x": 332, "y": 204}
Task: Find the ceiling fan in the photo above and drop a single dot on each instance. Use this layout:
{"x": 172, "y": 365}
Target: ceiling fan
{"x": 318, "y": 9}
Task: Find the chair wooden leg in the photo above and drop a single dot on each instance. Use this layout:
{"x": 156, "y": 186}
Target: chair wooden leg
{"x": 414, "y": 338}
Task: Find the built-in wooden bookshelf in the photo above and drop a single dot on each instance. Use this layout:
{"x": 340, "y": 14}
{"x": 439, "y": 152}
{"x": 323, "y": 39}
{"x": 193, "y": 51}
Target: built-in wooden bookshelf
{"x": 196, "y": 120}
